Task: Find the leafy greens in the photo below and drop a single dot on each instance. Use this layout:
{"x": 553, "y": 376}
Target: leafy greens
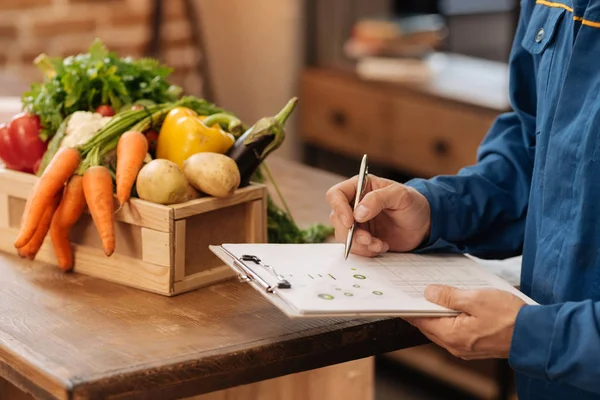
{"x": 85, "y": 81}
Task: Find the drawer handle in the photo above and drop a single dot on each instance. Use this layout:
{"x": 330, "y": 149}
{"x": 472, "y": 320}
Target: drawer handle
{"x": 338, "y": 118}
{"x": 441, "y": 147}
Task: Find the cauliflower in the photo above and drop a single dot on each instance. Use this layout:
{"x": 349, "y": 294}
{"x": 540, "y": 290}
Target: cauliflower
{"x": 81, "y": 127}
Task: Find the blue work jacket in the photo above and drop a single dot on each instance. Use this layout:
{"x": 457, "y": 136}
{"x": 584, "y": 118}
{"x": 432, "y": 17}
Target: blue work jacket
{"x": 535, "y": 190}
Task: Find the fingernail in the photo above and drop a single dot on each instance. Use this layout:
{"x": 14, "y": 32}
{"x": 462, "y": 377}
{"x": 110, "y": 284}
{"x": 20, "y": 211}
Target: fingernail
{"x": 363, "y": 240}
{"x": 386, "y": 247}
{"x": 361, "y": 212}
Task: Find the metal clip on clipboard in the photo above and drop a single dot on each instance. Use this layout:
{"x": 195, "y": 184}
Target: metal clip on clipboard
{"x": 249, "y": 274}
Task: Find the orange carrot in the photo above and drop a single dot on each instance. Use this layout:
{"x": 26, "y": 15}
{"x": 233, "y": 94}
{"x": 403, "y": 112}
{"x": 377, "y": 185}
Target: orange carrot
{"x": 32, "y": 247}
{"x": 98, "y": 191}
{"x": 70, "y": 209}
{"x": 62, "y": 166}
{"x": 131, "y": 152}
{"x": 62, "y": 248}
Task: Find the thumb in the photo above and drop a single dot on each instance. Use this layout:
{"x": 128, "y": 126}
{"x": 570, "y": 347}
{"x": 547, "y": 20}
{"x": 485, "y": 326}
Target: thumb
{"x": 449, "y": 297}
{"x": 390, "y": 197}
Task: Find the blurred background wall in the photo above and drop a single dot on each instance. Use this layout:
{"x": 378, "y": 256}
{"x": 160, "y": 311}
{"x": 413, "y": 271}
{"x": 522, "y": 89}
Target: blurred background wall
{"x": 256, "y": 57}
{"x": 67, "y": 27}
{"x": 254, "y": 48}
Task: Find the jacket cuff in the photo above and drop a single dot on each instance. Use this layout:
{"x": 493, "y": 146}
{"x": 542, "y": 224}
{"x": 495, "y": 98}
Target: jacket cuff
{"x": 532, "y": 340}
{"x": 441, "y": 207}
{"x": 435, "y": 205}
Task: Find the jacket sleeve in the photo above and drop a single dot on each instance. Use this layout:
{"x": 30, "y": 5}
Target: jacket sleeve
{"x": 559, "y": 343}
{"x": 482, "y": 209}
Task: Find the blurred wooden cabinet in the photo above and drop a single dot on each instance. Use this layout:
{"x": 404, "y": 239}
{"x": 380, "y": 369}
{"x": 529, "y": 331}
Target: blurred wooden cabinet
{"x": 407, "y": 128}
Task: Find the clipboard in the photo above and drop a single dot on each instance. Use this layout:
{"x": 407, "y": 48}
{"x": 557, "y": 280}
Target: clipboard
{"x": 247, "y": 275}
{"x": 315, "y": 281}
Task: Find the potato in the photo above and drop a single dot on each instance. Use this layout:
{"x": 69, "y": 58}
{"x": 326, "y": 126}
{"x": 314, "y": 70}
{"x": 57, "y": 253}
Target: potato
{"x": 212, "y": 173}
{"x": 163, "y": 182}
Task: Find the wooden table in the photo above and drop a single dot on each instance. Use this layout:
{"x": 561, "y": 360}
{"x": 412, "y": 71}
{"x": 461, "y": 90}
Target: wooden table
{"x": 76, "y": 337}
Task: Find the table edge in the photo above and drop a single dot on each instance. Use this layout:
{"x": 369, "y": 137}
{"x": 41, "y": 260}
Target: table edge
{"x": 209, "y": 372}
{"x": 18, "y": 371}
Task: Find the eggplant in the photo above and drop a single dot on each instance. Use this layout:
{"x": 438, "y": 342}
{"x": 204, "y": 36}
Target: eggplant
{"x": 266, "y": 135}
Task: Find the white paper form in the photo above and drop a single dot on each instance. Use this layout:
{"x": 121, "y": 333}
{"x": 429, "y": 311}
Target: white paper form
{"x": 323, "y": 283}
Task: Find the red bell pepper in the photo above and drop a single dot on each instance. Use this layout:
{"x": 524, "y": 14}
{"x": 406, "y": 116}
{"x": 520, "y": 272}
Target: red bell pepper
{"x": 21, "y": 147}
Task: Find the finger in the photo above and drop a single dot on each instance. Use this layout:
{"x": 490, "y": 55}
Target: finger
{"x": 465, "y": 355}
{"x": 452, "y": 298}
{"x": 366, "y": 251}
{"x": 438, "y": 326}
{"x": 378, "y": 246}
{"x": 339, "y": 197}
{"x": 435, "y": 339}
{"x": 340, "y": 231}
{"x": 394, "y": 196}
{"x": 363, "y": 251}
{"x": 362, "y": 237}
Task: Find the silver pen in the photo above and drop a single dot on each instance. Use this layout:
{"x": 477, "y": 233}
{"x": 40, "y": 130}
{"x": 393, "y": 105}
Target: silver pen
{"x": 360, "y": 188}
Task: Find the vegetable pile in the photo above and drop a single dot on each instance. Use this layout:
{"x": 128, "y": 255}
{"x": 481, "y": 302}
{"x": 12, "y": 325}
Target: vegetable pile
{"x": 101, "y": 129}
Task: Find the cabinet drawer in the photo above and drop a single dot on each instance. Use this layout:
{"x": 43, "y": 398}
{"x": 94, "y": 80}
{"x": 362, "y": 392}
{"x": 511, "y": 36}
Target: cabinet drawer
{"x": 402, "y": 129}
{"x": 345, "y": 117}
{"x": 434, "y": 138}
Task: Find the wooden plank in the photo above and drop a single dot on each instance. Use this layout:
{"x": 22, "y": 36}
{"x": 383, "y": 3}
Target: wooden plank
{"x": 203, "y": 205}
{"x": 204, "y": 278}
{"x": 265, "y": 227}
{"x": 225, "y": 225}
{"x": 179, "y": 249}
{"x": 116, "y": 268}
{"x": 4, "y": 211}
{"x": 353, "y": 380}
{"x": 156, "y": 247}
{"x": 256, "y": 220}
{"x": 146, "y": 214}
{"x": 16, "y": 184}
{"x": 136, "y": 211}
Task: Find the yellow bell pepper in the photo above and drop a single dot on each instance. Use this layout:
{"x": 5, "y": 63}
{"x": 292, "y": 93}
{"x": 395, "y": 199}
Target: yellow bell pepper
{"x": 183, "y": 134}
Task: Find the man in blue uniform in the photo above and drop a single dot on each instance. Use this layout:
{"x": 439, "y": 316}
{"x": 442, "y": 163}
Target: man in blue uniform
{"x": 535, "y": 190}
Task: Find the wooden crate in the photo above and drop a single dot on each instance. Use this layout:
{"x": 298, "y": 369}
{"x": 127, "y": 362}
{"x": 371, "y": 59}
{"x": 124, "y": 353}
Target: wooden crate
{"x": 160, "y": 249}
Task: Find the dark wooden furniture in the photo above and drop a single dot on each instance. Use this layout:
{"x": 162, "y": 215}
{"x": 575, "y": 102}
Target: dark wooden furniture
{"x": 76, "y": 337}
{"x": 424, "y": 129}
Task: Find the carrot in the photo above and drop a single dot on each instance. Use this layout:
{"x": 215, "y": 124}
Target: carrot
{"x": 58, "y": 171}
{"x": 131, "y": 152}
{"x": 32, "y": 247}
{"x": 98, "y": 191}
{"x": 62, "y": 248}
{"x": 70, "y": 209}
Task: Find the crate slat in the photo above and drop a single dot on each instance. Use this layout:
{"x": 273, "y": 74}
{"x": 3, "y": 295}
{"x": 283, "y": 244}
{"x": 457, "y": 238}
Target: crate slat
{"x": 4, "y": 211}
{"x": 202, "y": 279}
{"x": 156, "y": 247}
{"x": 204, "y": 205}
{"x": 179, "y": 249}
